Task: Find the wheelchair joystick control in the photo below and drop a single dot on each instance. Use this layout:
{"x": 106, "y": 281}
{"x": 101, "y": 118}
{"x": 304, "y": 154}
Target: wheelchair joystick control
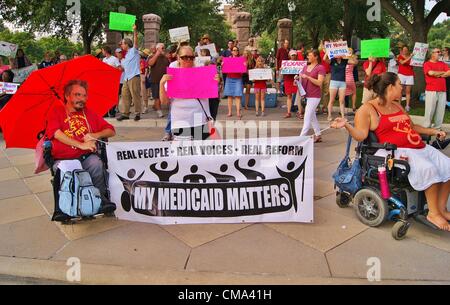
{"x": 384, "y": 185}
{"x": 47, "y": 145}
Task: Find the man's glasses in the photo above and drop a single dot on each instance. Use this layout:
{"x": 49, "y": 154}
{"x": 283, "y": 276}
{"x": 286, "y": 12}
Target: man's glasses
{"x": 437, "y": 52}
{"x": 186, "y": 58}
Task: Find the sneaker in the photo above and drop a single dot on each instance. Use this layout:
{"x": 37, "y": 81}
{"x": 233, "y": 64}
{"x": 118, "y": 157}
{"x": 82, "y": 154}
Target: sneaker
{"x": 160, "y": 114}
{"x": 167, "y": 138}
{"x": 263, "y": 114}
{"x": 408, "y": 109}
{"x": 123, "y": 118}
{"x": 257, "y": 114}
{"x": 137, "y": 118}
{"x": 107, "y": 208}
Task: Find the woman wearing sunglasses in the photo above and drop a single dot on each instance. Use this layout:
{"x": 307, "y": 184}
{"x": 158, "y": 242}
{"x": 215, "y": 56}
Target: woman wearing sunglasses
{"x": 234, "y": 88}
{"x": 189, "y": 117}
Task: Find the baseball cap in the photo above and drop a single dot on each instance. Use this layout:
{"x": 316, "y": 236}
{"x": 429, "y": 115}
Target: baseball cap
{"x": 292, "y": 52}
{"x": 118, "y": 50}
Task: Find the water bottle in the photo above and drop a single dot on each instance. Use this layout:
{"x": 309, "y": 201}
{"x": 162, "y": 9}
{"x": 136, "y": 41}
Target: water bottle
{"x": 384, "y": 185}
{"x": 47, "y": 145}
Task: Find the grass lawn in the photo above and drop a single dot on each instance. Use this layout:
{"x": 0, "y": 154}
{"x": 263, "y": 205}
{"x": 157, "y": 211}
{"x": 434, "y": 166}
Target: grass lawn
{"x": 417, "y": 107}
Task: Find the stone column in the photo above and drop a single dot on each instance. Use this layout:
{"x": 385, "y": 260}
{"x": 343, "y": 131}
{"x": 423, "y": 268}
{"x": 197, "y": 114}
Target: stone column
{"x": 113, "y": 38}
{"x": 152, "y": 26}
{"x": 242, "y": 23}
{"x": 284, "y": 31}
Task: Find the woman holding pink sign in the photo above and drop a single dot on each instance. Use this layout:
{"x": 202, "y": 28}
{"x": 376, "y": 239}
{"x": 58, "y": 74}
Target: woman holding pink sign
{"x": 234, "y": 88}
{"x": 189, "y": 117}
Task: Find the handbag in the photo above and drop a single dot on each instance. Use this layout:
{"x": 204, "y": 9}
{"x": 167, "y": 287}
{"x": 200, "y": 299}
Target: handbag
{"x": 348, "y": 176}
{"x": 213, "y": 132}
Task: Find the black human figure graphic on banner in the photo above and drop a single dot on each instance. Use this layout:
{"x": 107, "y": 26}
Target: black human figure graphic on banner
{"x": 248, "y": 173}
{"x": 194, "y": 178}
{"x": 164, "y": 175}
{"x": 221, "y": 178}
{"x": 128, "y": 186}
{"x": 291, "y": 176}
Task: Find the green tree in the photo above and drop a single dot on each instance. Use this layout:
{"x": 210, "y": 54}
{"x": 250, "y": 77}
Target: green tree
{"x": 439, "y": 35}
{"x": 51, "y": 16}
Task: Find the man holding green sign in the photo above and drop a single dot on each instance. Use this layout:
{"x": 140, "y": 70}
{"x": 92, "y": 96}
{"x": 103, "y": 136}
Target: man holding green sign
{"x": 121, "y": 22}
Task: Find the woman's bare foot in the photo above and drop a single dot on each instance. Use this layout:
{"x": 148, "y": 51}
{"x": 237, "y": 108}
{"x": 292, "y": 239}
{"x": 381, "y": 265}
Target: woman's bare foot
{"x": 446, "y": 215}
{"x": 439, "y": 221}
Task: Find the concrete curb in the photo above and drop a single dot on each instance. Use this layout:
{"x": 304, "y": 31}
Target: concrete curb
{"x": 118, "y": 275}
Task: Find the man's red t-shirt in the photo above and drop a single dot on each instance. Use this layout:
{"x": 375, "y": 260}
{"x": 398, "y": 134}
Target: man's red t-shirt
{"x": 405, "y": 69}
{"x": 378, "y": 68}
{"x": 325, "y": 64}
{"x": 282, "y": 54}
{"x": 435, "y": 83}
{"x": 74, "y": 125}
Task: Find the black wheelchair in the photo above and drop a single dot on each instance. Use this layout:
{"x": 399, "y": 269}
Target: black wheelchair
{"x": 371, "y": 208}
{"x": 58, "y": 216}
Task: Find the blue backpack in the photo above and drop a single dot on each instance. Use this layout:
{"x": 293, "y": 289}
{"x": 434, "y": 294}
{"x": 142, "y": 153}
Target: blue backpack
{"x": 78, "y": 197}
{"x": 348, "y": 177}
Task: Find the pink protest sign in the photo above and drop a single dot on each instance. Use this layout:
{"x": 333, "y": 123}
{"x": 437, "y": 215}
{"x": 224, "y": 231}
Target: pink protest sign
{"x": 193, "y": 83}
{"x": 234, "y": 65}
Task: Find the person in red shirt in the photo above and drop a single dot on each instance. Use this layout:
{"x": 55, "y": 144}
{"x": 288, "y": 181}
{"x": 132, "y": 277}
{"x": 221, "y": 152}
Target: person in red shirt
{"x": 73, "y": 130}
{"x": 430, "y": 168}
{"x": 406, "y": 74}
{"x": 373, "y": 66}
{"x": 436, "y": 90}
{"x": 282, "y": 54}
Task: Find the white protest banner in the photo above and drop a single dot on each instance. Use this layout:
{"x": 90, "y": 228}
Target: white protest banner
{"x": 260, "y": 74}
{"x": 201, "y": 61}
{"x": 230, "y": 181}
{"x": 337, "y": 48}
{"x": 420, "y": 54}
{"x": 8, "y": 49}
{"x": 211, "y": 47}
{"x": 179, "y": 34}
{"x": 292, "y": 66}
{"x": 20, "y": 75}
{"x": 8, "y": 88}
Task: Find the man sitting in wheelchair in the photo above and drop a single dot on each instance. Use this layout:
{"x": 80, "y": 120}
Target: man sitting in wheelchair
{"x": 430, "y": 169}
{"x": 74, "y": 131}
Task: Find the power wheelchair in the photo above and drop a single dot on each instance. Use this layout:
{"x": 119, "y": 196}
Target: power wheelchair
{"x": 371, "y": 208}
{"x": 58, "y": 216}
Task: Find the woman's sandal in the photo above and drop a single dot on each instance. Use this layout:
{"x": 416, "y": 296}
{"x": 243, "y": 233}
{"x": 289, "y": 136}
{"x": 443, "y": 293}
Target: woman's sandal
{"x": 300, "y": 116}
{"x": 318, "y": 139}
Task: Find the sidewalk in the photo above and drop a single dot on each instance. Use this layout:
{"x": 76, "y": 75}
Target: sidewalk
{"x": 334, "y": 250}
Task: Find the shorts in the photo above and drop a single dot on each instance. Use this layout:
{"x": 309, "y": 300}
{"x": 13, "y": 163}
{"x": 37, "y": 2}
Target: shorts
{"x": 406, "y": 80}
{"x": 338, "y": 85}
{"x": 155, "y": 91}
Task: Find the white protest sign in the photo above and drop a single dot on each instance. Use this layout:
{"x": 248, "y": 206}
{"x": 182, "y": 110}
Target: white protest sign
{"x": 8, "y": 88}
{"x": 20, "y": 75}
{"x": 8, "y": 49}
{"x": 337, "y": 48}
{"x": 201, "y": 61}
{"x": 230, "y": 181}
{"x": 211, "y": 47}
{"x": 292, "y": 66}
{"x": 260, "y": 74}
{"x": 420, "y": 54}
{"x": 179, "y": 34}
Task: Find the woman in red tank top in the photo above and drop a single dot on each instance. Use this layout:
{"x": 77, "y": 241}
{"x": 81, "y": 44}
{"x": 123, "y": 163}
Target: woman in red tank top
{"x": 430, "y": 169}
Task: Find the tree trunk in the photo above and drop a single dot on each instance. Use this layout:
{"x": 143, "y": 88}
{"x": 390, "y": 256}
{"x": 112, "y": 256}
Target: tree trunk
{"x": 419, "y": 35}
{"x": 87, "y": 41}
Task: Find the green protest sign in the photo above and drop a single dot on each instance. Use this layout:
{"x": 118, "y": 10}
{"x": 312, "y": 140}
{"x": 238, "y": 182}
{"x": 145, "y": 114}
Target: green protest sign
{"x": 121, "y": 22}
{"x": 378, "y": 48}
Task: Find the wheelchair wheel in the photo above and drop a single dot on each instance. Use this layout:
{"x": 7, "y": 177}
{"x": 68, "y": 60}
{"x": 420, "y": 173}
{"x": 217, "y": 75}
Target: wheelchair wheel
{"x": 371, "y": 209}
{"x": 400, "y": 230}
{"x": 343, "y": 200}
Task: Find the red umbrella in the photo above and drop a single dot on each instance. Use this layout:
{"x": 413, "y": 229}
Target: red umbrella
{"x": 23, "y": 118}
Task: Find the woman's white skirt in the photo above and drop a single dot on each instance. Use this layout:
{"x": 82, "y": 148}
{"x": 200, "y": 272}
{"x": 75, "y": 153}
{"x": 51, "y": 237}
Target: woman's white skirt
{"x": 428, "y": 166}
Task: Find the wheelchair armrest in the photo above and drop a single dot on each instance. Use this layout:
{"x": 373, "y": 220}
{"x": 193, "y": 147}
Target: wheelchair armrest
{"x": 426, "y": 139}
{"x": 386, "y": 146}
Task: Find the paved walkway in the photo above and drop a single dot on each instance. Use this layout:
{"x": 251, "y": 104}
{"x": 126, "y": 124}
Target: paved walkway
{"x": 334, "y": 250}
